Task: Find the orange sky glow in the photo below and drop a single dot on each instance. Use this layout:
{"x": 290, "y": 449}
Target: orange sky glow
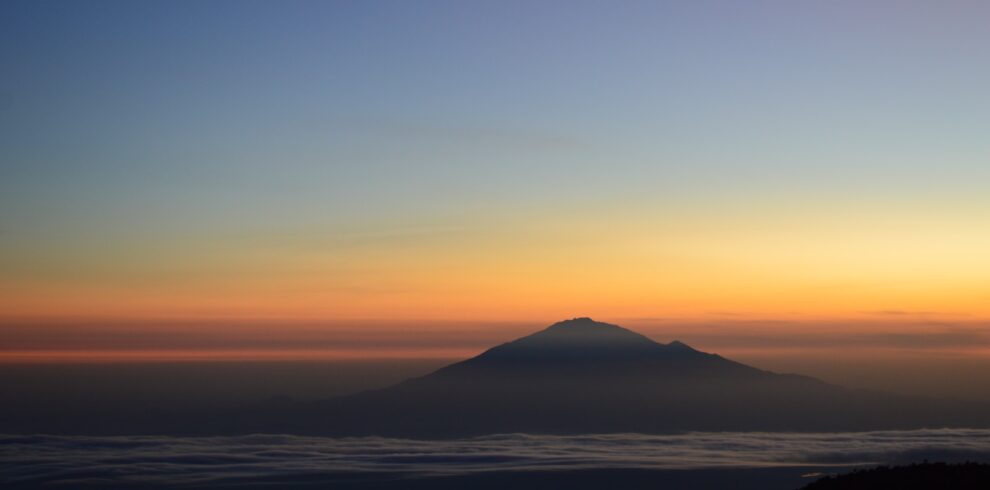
{"x": 916, "y": 282}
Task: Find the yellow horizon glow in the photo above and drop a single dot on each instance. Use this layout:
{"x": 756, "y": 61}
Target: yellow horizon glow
{"x": 787, "y": 264}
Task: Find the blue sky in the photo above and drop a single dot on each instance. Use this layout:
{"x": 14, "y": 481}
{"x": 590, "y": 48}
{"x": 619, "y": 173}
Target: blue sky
{"x": 211, "y": 121}
{"x": 312, "y": 106}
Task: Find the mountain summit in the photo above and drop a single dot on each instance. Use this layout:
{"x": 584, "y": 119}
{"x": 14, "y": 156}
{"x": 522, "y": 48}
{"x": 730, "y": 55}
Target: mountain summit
{"x": 594, "y": 338}
{"x": 580, "y": 340}
{"x": 590, "y": 349}
{"x": 584, "y": 335}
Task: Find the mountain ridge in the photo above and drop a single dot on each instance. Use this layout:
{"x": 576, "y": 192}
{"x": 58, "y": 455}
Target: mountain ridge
{"x": 583, "y": 376}
{"x": 582, "y": 345}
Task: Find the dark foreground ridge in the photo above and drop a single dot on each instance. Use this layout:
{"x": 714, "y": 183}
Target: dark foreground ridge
{"x": 921, "y": 476}
{"x": 575, "y": 377}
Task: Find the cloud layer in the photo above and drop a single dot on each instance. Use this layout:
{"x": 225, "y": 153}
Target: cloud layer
{"x": 209, "y": 460}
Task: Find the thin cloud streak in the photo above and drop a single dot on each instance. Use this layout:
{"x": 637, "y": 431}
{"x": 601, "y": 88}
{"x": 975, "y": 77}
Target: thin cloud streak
{"x": 415, "y": 339}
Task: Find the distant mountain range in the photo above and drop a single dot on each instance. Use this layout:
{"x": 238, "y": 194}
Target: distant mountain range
{"x": 583, "y": 376}
{"x": 575, "y": 377}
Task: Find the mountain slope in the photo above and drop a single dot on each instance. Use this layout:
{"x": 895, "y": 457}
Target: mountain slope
{"x": 582, "y": 376}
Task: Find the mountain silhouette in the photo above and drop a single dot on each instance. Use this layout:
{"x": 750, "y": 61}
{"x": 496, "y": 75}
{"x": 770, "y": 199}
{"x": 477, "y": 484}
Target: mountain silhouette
{"x": 583, "y": 376}
{"x": 575, "y": 377}
{"x": 583, "y": 350}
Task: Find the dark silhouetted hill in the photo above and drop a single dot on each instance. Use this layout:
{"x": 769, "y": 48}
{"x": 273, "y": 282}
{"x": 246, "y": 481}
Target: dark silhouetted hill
{"x": 921, "y": 476}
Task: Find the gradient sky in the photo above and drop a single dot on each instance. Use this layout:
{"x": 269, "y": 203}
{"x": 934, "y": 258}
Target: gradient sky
{"x": 441, "y": 163}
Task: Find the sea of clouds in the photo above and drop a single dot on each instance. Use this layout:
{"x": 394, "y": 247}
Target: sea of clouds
{"x": 202, "y": 460}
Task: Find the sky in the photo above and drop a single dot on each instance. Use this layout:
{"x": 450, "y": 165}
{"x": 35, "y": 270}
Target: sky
{"x": 275, "y": 178}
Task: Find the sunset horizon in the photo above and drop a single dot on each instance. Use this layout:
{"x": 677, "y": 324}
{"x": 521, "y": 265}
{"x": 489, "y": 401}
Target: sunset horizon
{"x": 433, "y": 245}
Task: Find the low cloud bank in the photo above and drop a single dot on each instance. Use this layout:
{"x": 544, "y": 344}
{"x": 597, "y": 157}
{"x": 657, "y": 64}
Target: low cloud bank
{"x": 207, "y": 460}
